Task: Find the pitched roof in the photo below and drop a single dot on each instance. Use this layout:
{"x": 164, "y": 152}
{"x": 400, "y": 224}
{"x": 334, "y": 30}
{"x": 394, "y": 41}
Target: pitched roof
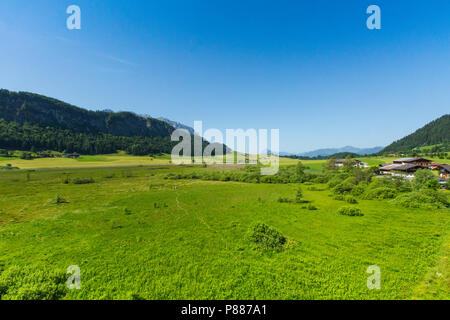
{"x": 411, "y": 160}
{"x": 445, "y": 167}
{"x": 389, "y": 167}
{"x": 401, "y": 167}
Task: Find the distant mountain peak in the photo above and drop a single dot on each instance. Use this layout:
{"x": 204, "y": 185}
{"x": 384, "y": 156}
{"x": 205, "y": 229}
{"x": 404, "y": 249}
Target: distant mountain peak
{"x": 347, "y": 149}
{"x": 177, "y": 125}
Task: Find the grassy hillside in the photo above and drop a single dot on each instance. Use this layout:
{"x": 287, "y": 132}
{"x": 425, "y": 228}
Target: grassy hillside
{"x": 136, "y": 235}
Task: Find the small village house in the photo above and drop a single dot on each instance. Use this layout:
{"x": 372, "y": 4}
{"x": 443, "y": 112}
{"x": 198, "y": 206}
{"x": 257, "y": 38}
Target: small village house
{"x": 406, "y": 170}
{"x": 444, "y": 171}
{"x": 358, "y": 163}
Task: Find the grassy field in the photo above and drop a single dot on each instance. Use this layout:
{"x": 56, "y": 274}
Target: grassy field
{"x": 136, "y": 235}
{"x": 124, "y": 160}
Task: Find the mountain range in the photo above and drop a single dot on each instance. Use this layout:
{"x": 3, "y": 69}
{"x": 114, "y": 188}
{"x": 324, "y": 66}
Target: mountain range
{"x": 331, "y": 151}
{"x": 30, "y": 121}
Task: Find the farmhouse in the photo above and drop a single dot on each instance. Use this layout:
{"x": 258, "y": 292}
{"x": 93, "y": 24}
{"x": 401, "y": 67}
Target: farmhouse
{"x": 444, "y": 170}
{"x": 406, "y": 170}
{"x": 358, "y": 163}
{"x": 417, "y": 161}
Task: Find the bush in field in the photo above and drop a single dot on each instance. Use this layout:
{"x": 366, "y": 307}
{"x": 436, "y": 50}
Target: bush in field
{"x": 311, "y": 207}
{"x": 425, "y": 199}
{"x": 358, "y": 190}
{"x": 320, "y": 179}
{"x": 361, "y": 175}
{"x": 351, "y": 200}
{"x": 335, "y": 180}
{"x": 350, "y": 180}
{"x": 60, "y": 200}
{"x": 266, "y": 237}
{"x": 343, "y": 188}
{"x": 433, "y": 184}
{"x": 315, "y": 189}
{"x": 380, "y": 193}
{"x": 397, "y": 183}
{"x": 423, "y": 179}
{"x": 299, "y": 195}
{"x": 284, "y": 200}
{"x": 25, "y": 283}
{"x": 339, "y": 197}
{"x": 66, "y": 179}
{"x": 8, "y": 166}
{"x": 350, "y": 211}
{"x": 83, "y": 181}
{"x": 127, "y": 174}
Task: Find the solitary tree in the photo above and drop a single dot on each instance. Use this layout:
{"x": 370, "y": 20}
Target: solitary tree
{"x": 349, "y": 163}
{"x": 299, "y": 195}
{"x": 331, "y": 164}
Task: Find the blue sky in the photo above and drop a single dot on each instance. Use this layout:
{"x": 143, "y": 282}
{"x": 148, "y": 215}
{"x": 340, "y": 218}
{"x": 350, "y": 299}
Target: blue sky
{"x": 309, "y": 68}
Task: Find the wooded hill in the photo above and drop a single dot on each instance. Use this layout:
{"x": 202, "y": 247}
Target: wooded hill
{"x": 33, "y": 122}
{"x": 436, "y": 132}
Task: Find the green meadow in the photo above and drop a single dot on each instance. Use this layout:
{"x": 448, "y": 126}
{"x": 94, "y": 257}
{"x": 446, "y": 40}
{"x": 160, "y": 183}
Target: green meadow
{"x": 137, "y": 235}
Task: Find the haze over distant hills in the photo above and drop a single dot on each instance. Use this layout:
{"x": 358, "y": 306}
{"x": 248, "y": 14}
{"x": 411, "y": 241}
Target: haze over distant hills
{"x": 331, "y": 151}
{"x": 177, "y": 125}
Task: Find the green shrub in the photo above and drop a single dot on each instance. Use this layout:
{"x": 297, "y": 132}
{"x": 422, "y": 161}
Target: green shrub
{"x": 299, "y": 195}
{"x": 284, "y": 200}
{"x": 381, "y": 193}
{"x": 266, "y": 237}
{"x": 83, "y": 181}
{"x": 320, "y": 179}
{"x": 351, "y": 199}
{"x": 425, "y": 199}
{"x": 334, "y": 181}
{"x": 8, "y": 167}
{"x": 425, "y": 178}
{"x": 60, "y": 200}
{"x": 339, "y": 197}
{"x": 315, "y": 189}
{"x": 350, "y": 211}
{"x": 66, "y": 179}
{"x": 358, "y": 190}
{"x": 25, "y": 283}
{"x": 127, "y": 174}
{"x": 343, "y": 188}
{"x": 350, "y": 180}
{"x": 311, "y": 207}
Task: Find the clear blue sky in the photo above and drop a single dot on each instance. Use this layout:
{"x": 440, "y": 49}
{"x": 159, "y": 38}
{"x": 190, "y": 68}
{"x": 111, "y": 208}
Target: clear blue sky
{"x": 310, "y": 68}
